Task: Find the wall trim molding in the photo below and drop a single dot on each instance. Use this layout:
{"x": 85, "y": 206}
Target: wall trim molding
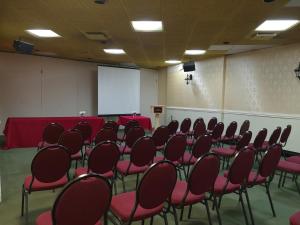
{"x": 236, "y": 112}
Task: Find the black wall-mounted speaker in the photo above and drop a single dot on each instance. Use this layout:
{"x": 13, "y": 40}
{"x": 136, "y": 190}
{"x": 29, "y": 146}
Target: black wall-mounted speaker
{"x": 23, "y": 47}
{"x": 189, "y": 66}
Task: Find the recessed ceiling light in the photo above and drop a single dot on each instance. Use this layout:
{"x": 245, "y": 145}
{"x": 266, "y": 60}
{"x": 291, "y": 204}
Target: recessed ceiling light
{"x": 43, "y": 33}
{"x": 173, "y": 61}
{"x": 147, "y": 26}
{"x": 276, "y": 25}
{"x": 194, "y": 52}
{"x": 116, "y": 51}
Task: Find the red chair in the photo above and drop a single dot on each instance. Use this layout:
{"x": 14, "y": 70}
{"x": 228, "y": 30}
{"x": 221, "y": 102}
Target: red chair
{"x": 49, "y": 170}
{"x": 128, "y": 125}
{"x": 259, "y": 140}
{"x": 86, "y": 131}
{"x": 200, "y": 119}
{"x": 103, "y": 160}
{"x": 236, "y": 180}
{"x": 229, "y": 152}
{"x": 198, "y": 131}
{"x": 173, "y": 126}
{"x": 245, "y": 127}
{"x": 216, "y": 134}
{"x": 185, "y": 126}
{"x": 285, "y": 136}
{"x": 111, "y": 124}
{"x": 294, "y": 159}
{"x": 211, "y": 124}
{"x": 148, "y": 200}
{"x": 51, "y": 135}
{"x": 228, "y": 138}
{"x": 132, "y": 136}
{"x": 295, "y": 219}
{"x": 83, "y": 201}
{"x": 273, "y": 138}
{"x": 160, "y": 137}
{"x": 200, "y": 181}
{"x": 73, "y": 142}
{"x": 143, "y": 151}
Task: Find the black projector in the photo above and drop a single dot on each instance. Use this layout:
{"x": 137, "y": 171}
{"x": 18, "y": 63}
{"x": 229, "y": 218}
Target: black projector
{"x": 189, "y": 66}
{"x": 23, "y": 47}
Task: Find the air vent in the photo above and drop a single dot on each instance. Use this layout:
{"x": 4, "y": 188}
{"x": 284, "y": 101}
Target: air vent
{"x": 263, "y": 36}
{"x": 96, "y": 36}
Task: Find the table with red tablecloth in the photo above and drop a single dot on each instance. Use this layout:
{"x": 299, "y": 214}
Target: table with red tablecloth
{"x": 23, "y": 132}
{"x": 144, "y": 121}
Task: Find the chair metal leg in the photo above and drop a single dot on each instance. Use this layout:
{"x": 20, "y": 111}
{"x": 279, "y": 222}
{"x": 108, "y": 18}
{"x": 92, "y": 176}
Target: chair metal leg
{"x": 284, "y": 177}
{"x": 22, "y": 205}
{"x": 190, "y": 211}
{"x": 181, "y": 213}
{"x": 143, "y": 222}
{"x": 297, "y": 185}
{"x": 137, "y": 181}
{"x": 151, "y": 220}
{"x": 165, "y": 219}
{"x": 217, "y": 210}
{"x": 175, "y": 215}
{"x": 220, "y": 200}
{"x": 249, "y": 206}
{"x": 243, "y": 207}
{"x": 280, "y": 178}
{"x": 270, "y": 199}
{"x": 208, "y": 213}
{"x": 123, "y": 183}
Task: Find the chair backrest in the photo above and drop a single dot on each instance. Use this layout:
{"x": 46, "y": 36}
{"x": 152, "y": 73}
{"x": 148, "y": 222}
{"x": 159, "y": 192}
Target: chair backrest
{"x": 106, "y": 134}
{"x": 212, "y": 123}
{"x": 270, "y": 160}
{"x": 244, "y": 141}
{"x": 217, "y": 131}
{"x": 173, "y": 126}
{"x": 241, "y": 166}
{"x": 274, "y": 136}
{"x": 160, "y": 136}
{"x": 133, "y": 134}
{"x": 199, "y": 119}
{"x": 83, "y": 201}
{"x": 111, "y": 124}
{"x": 72, "y": 140}
{"x": 50, "y": 164}
{"x": 231, "y": 129}
{"x": 52, "y": 133}
{"x": 245, "y": 127}
{"x": 202, "y": 146}
{"x": 175, "y": 147}
{"x": 157, "y": 185}
{"x": 85, "y": 129}
{"x": 204, "y": 173}
{"x": 260, "y": 138}
{"x": 199, "y": 129}
{"x": 185, "y": 125}
{"x": 130, "y": 124}
{"x": 285, "y": 134}
{"x": 143, "y": 151}
{"x": 103, "y": 157}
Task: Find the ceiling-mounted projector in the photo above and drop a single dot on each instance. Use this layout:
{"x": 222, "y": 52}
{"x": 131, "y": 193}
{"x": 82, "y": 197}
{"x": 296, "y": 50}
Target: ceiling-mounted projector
{"x": 101, "y": 1}
{"x": 23, "y": 47}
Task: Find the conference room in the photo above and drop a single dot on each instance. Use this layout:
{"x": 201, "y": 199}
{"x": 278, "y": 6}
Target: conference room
{"x": 181, "y": 112}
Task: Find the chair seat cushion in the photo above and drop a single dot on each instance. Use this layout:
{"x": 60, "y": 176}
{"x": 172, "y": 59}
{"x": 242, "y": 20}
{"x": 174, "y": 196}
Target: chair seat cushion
{"x": 46, "y": 219}
{"x": 160, "y": 158}
{"x": 122, "y": 205}
{"x": 190, "y": 141}
{"x": 252, "y": 179}
{"x": 289, "y": 167}
{"x": 220, "y": 183}
{"x": 294, "y": 159}
{"x": 122, "y": 167}
{"x": 295, "y": 219}
{"x": 226, "y": 152}
{"x": 76, "y": 156}
{"x": 87, "y": 142}
{"x": 83, "y": 170}
{"x": 225, "y": 138}
{"x": 43, "y": 144}
{"x": 160, "y": 148}
{"x": 125, "y": 149}
{"x": 179, "y": 192}
{"x": 40, "y": 186}
{"x": 187, "y": 160}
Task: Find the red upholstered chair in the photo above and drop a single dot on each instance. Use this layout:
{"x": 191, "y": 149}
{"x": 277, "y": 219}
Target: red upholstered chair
{"x": 198, "y": 131}
{"x": 173, "y": 126}
{"x": 111, "y": 124}
{"x": 229, "y": 152}
{"x": 51, "y": 135}
{"x": 294, "y": 159}
{"x": 245, "y": 127}
{"x": 285, "y": 136}
{"x": 200, "y": 119}
{"x": 273, "y": 138}
{"x": 228, "y": 138}
{"x": 160, "y": 137}
{"x": 102, "y": 160}
{"x": 143, "y": 151}
{"x": 128, "y": 125}
{"x": 259, "y": 140}
{"x": 86, "y": 131}
{"x": 236, "y": 180}
{"x": 85, "y": 200}
{"x": 132, "y": 135}
{"x": 211, "y": 124}
{"x": 72, "y": 140}
{"x": 199, "y": 183}
{"x": 216, "y": 134}
{"x": 49, "y": 170}
{"x": 185, "y": 126}
{"x": 295, "y": 219}
{"x": 148, "y": 200}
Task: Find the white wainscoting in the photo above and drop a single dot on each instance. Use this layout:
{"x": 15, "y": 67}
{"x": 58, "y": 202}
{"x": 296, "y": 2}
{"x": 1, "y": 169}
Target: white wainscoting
{"x": 257, "y": 121}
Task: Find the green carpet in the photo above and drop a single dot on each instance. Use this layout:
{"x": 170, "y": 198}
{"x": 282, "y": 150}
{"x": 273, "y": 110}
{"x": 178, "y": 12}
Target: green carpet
{"x": 15, "y": 165}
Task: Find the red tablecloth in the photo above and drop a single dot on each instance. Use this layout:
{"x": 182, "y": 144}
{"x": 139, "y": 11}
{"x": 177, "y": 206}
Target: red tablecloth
{"x": 21, "y": 132}
{"x": 144, "y": 121}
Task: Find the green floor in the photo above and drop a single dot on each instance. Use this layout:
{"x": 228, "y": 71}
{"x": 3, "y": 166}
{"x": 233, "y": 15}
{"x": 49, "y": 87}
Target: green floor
{"x": 15, "y": 165}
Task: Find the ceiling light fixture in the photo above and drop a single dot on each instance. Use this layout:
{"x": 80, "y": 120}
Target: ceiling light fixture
{"x": 147, "y": 26}
{"x": 276, "y": 25}
{"x": 115, "y": 51}
{"x": 43, "y": 33}
{"x": 173, "y": 61}
{"x": 194, "y": 52}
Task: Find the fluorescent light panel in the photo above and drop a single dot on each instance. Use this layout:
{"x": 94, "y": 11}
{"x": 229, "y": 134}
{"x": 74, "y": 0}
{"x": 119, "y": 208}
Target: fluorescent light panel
{"x": 173, "y": 61}
{"x": 147, "y": 26}
{"x": 43, "y": 33}
{"x": 115, "y": 51}
{"x": 276, "y": 25}
{"x": 194, "y": 52}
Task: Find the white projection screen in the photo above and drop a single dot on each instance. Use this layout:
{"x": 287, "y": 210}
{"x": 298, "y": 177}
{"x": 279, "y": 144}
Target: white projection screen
{"x": 118, "y": 91}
